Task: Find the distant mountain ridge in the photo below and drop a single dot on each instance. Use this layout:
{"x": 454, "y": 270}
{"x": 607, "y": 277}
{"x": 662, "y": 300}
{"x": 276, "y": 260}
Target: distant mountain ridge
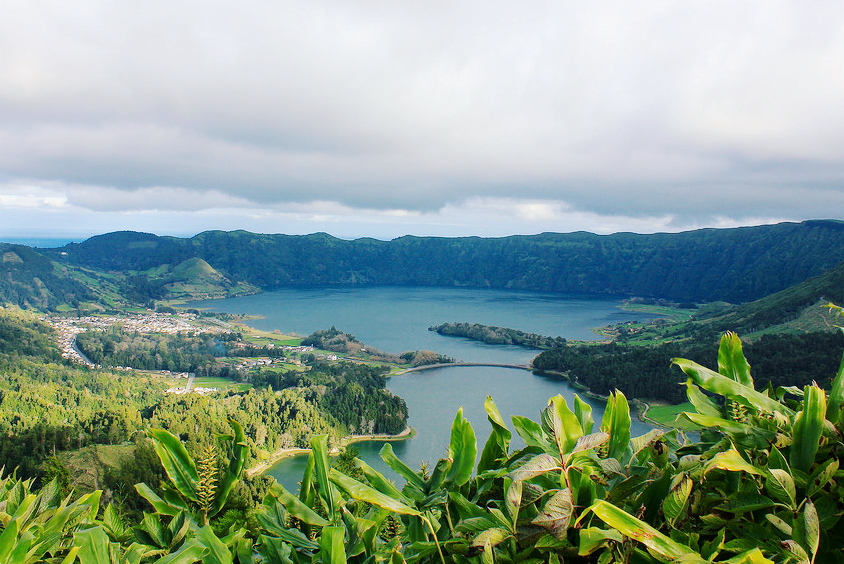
{"x": 735, "y": 265}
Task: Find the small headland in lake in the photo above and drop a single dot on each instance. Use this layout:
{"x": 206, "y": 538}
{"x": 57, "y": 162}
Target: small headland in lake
{"x": 346, "y": 441}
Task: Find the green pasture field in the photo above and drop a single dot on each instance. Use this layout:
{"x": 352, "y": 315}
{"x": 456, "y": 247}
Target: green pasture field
{"x": 666, "y": 414}
{"x": 222, "y": 384}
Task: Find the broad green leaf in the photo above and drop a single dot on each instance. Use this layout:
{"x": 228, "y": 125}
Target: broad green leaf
{"x": 711, "y": 548}
{"x": 731, "y": 360}
{"x": 531, "y": 433}
{"x": 616, "y": 422}
{"x": 539, "y": 464}
{"x": 332, "y": 546}
{"x": 583, "y": 412}
{"x": 512, "y": 500}
{"x": 753, "y": 556}
{"x": 93, "y": 545}
{"x": 593, "y": 538}
{"x": 611, "y": 466}
{"x": 491, "y": 537}
{"x": 297, "y": 507}
{"x": 465, "y": 508}
{"x": 8, "y": 538}
{"x": 306, "y": 486}
{"x": 780, "y": 524}
{"x": 400, "y": 467}
{"x": 217, "y": 552}
{"x": 26, "y": 547}
{"x": 178, "y": 464}
{"x": 462, "y": 450}
{"x": 743, "y": 502}
{"x": 730, "y": 460}
{"x": 590, "y": 441}
{"x": 703, "y": 404}
{"x": 369, "y": 494}
{"x": 726, "y": 425}
{"x": 777, "y": 460}
{"x": 498, "y": 444}
{"x": 438, "y": 475}
{"x": 729, "y": 388}
{"x": 190, "y": 552}
{"x": 474, "y": 525}
{"x": 319, "y": 447}
{"x": 157, "y": 503}
{"x": 556, "y": 514}
{"x": 561, "y": 423}
{"x": 640, "y": 531}
{"x": 642, "y": 442}
{"x": 678, "y": 495}
{"x": 275, "y": 550}
{"x": 780, "y": 485}
{"x": 795, "y": 550}
{"x": 232, "y": 473}
{"x": 71, "y": 555}
{"x": 808, "y": 427}
{"x": 821, "y": 476}
{"x": 812, "y": 528}
{"x": 273, "y": 522}
{"x": 836, "y": 393}
{"x": 379, "y": 481}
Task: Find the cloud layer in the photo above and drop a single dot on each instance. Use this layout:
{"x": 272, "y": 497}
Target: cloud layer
{"x": 664, "y": 113}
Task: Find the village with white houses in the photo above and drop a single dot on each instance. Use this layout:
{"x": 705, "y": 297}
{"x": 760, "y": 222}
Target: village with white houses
{"x": 67, "y": 328}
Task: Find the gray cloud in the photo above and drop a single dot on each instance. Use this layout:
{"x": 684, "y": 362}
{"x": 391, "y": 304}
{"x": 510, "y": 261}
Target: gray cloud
{"x": 647, "y": 109}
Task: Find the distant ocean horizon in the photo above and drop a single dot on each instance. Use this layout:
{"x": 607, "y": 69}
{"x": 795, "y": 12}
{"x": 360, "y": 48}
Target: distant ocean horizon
{"x": 42, "y": 242}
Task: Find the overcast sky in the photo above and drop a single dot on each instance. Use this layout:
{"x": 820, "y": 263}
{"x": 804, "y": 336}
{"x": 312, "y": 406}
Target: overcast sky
{"x": 383, "y": 118}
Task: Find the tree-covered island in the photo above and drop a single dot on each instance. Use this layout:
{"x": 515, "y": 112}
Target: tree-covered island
{"x": 493, "y": 335}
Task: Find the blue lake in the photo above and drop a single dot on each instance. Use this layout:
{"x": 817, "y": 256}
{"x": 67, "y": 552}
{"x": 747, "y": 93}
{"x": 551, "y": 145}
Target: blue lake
{"x": 397, "y": 319}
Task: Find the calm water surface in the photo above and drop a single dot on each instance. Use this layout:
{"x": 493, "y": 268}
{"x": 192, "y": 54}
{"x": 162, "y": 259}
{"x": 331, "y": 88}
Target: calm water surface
{"x": 397, "y": 319}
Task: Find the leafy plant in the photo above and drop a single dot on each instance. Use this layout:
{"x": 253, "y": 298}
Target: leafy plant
{"x": 198, "y": 488}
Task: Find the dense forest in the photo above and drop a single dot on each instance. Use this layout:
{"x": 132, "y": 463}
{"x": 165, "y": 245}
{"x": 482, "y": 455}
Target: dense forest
{"x": 493, "y": 335}
{"x": 154, "y": 351}
{"x": 644, "y": 371}
{"x": 735, "y": 265}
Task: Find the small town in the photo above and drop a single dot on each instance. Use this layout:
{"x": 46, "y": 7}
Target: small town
{"x": 67, "y": 328}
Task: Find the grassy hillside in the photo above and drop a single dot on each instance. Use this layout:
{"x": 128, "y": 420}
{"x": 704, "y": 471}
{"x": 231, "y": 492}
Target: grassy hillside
{"x": 28, "y": 279}
{"x": 798, "y": 308}
{"x": 196, "y": 279}
{"x": 736, "y": 265}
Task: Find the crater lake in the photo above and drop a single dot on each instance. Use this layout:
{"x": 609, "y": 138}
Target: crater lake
{"x": 396, "y": 319}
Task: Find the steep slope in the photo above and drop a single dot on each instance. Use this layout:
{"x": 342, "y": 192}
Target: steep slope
{"x": 196, "y": 279}
{"x": 30, "y": 280}
{"x": 800, "y": 307}
{"x": 735, "y": 265}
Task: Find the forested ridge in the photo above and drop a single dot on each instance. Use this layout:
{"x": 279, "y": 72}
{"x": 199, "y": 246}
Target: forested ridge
{"x": 735, "y": 265}
{"x": 642, "y": 371}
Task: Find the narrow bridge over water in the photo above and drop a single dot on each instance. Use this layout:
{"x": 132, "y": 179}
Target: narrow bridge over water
{"x": 448, "y": 364}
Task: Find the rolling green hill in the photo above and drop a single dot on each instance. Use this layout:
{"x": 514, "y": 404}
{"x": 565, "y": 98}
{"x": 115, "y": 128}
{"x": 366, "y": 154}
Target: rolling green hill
{"x": 28, "y": 279}
{"x": 735, "y": 265}
{"x": 196, "y": 279}
{"x": 798, "y": 308}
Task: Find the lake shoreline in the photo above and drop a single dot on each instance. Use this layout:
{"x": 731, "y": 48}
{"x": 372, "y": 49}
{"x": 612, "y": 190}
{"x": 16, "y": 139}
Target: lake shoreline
{"x": 282, "y": 453}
